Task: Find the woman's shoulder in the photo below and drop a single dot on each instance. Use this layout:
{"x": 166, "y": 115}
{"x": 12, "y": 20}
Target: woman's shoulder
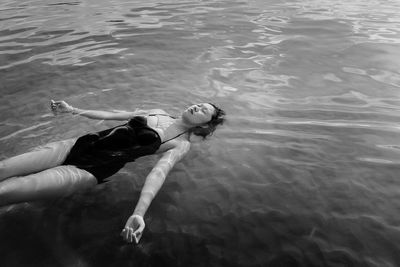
{"x": 178, "y": 144}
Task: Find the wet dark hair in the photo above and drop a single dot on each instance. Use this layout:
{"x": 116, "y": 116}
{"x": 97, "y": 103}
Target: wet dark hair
{"x": 208, "y": 128}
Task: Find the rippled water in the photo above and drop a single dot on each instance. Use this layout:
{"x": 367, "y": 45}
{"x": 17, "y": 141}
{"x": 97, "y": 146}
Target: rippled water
{"x": 304, "y": 173}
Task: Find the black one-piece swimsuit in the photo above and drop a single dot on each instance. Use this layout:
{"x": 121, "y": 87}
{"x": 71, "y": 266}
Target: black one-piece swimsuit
{"x": 104, "y": 153}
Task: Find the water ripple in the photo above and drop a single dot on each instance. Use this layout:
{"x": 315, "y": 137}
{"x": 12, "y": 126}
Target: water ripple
{"x": 301, "y": 172}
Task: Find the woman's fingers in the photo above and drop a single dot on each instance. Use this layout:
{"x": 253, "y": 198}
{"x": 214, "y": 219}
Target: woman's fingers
{"x": 128, "y": 234}
{"x": 139, "y": 230}
{"x": 52, "y": 104}
{"x": 60, "y": 106}
{"x": 133, "y": 229}
{"x": 125, "y": 234}
{"x": 137, "y": 235}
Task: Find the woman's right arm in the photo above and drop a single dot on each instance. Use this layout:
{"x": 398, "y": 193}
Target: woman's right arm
{"x": 64, "y": 107}
{"x": 135, "y": 224}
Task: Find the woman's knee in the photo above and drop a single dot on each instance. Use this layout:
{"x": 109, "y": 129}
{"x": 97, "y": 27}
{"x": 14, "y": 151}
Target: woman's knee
{"x": 56, "y": 182}
{"x": 3, "y": 170}
{"x": 7, "y": 192}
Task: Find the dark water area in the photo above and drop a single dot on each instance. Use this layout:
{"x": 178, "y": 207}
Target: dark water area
{"x": 305, "y": 172}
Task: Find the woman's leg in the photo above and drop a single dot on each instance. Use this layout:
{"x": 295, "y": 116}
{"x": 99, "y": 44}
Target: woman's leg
{"x": 55, "y": 182}
{"x": 39, "y": 159}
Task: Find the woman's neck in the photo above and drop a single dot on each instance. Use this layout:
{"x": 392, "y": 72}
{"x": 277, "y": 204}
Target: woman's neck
{"x": 176, "y": 128}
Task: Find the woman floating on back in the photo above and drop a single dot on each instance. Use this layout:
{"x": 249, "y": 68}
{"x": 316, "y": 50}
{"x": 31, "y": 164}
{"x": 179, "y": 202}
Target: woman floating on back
{"x": 63, "y": 167}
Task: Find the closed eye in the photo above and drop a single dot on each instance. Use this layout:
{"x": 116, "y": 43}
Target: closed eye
{"x": 202, "y": 107}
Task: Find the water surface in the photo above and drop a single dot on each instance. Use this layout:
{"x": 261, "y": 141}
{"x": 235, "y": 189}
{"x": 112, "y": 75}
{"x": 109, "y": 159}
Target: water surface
{"x": 303, "y": 173}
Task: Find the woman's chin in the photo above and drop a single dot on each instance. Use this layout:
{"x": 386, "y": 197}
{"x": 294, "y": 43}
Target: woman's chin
{"x": 187, "y": 120}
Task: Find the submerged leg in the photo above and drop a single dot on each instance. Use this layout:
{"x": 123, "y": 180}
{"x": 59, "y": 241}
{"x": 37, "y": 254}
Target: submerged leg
{"x": 51, "y": 183}
{"x": 39, "y": 159}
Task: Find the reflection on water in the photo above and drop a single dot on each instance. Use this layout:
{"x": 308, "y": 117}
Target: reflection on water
{"x": 304, "y": 172}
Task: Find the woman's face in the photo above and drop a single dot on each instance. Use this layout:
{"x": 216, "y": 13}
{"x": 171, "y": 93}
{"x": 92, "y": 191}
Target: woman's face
{"x": 198, "y": 114}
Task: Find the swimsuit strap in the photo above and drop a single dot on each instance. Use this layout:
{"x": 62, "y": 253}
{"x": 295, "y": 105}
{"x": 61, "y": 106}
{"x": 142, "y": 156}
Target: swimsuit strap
{"x": 175, "y": 137}
{"x": 162, "y": 115}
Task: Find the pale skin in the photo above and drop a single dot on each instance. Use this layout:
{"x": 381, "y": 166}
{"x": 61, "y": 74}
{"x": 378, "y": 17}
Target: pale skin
{"x": 16, "y": 182}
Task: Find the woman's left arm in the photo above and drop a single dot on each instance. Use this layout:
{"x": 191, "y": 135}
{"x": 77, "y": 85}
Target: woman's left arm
{"x": 134, "y": 226}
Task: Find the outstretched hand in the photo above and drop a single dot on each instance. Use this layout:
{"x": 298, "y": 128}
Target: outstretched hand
{"x": 60, "y": 107}
{"x": 133, "y": 229}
